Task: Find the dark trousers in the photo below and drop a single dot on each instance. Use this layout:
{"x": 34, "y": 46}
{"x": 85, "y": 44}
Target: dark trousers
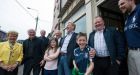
{"x": 29, "y": 66}
{"x": 103, "y": 66}
{"x": 42, "y": 69}
{"x": 50, "y": 72}
{"x": 4, "y": 72}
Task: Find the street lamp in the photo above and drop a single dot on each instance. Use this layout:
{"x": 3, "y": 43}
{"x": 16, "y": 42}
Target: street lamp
{"x": 36, "y": 19}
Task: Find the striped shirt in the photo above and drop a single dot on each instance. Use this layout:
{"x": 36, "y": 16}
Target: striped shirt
{"x": 100, "y": 44}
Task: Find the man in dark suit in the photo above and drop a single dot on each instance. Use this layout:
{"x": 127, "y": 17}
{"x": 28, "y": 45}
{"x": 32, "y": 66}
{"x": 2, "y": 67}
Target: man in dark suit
{"x": 68, "y": 44}
{"x": 58, "y": 35}
{"x": 109, "y": 47}
{"x": 32, "y": 54}
{"x": 45, "y": 42}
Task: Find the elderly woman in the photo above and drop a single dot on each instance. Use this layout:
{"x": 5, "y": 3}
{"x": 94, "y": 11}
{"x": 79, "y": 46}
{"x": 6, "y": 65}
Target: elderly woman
{"x": 11, "y": 54}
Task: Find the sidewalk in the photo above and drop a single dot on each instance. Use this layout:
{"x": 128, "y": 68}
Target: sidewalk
{"x": 20, "y": 70}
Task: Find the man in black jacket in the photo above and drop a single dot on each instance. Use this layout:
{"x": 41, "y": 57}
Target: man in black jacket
{"x": 109, "y": 47}
{"x": 33, "y": 54}
{"x": 45, "y": 42}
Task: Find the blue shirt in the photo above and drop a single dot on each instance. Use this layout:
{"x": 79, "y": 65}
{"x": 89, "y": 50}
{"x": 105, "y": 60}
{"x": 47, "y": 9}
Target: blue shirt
{"x": 132, "y": 28}
{"x": 82, "y": 59}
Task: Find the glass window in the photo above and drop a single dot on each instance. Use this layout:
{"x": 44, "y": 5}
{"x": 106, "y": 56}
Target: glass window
{"x": 81, "y": 24}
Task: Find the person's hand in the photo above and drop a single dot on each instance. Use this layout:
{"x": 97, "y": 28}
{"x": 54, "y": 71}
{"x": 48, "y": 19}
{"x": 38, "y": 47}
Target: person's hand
{"x": 92, "y": 52}
{"x": 86, "y": 74}
{"x": 12, "y": 67}
{"x": 118, "y": 62}
{"x": 76, "y": 69}
{"x": 4, "y": 67}
{"x": 42, "y": 62}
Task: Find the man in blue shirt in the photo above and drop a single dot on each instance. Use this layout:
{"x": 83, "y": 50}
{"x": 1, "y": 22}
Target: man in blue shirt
{"x": 132, "y": 33}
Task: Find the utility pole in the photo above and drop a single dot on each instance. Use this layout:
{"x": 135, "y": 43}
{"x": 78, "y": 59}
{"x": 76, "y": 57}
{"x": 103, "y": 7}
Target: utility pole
{"x": 36, "y": 23}
{"x": 37, "y": 18}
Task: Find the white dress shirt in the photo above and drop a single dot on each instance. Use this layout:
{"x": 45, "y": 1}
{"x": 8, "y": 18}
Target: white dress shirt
{"x": 100, "y": 44}
{"x": 66, "y": 42}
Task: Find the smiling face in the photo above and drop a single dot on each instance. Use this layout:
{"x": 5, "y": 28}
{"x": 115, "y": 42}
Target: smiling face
{"x": 53, "y": 43}
{"x": 31, "y": 33}
{"x": 125, "y": 5}
{"x": 43, "y": 32}
{"x": 70, "y": 27}
{"x": 58, "y": 34}
{"x": 12, "y": 37}
{"x": 82, "y": 42}
{"x": 99, "y": 23}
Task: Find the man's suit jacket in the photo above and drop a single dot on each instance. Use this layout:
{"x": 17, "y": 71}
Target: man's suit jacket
{"x": 60, "y": 41}
{"x": 45, "y": 43}
{"x": 114, "y": 41}
{"x": 37, "y": 54}
{"x": 70, "y": 49}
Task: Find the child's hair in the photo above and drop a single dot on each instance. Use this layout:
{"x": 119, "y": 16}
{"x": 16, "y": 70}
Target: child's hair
{"x": 49, "y": 46}
{"x": 81, "y": 34}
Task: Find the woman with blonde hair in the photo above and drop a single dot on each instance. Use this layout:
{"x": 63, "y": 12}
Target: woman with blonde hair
{"x": 10, "y": 54}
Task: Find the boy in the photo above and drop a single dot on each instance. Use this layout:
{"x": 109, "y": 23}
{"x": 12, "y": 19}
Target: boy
{"x": 83, "y": 64}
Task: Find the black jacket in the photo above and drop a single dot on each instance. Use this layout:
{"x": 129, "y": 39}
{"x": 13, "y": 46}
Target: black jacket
{"x": 45, "y": 43}
{"x": 114, "y": 41}
{"x": 70, "y": 49}
{"x": 33, "y": 49}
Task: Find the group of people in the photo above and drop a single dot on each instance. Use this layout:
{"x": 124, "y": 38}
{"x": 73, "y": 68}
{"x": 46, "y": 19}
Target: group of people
{"x": 74, "y": 54}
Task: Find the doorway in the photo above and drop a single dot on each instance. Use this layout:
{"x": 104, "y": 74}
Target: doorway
{"x": 113, "y": 17}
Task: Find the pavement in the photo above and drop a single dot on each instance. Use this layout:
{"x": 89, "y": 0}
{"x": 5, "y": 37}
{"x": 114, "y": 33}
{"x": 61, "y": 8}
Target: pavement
{"x": 20, "y": 70}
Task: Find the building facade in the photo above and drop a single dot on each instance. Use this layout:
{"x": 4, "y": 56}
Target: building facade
{"x": 56, "y": 24}
{"x": 82, "y": 13}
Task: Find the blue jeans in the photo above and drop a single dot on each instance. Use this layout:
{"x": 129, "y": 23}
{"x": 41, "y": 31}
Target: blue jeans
{"x": 50, "y": 72}
{"x": 63, "y": 66}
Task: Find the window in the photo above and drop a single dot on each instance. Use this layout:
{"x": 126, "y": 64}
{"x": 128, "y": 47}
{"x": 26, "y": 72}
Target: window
{"x": 81, "y": 24}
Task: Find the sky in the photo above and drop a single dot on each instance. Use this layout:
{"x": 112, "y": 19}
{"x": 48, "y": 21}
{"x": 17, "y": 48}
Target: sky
{"x": 15, "y": 15}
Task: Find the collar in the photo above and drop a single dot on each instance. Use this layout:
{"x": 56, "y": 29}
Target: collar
{"x": 70, "y": 33}
{"x": 84, "y": 49}
{"x": 101, "y": 30}
{"x": 136, "y": 8}
{"x": 33, "y": 38}
{"x": 11, "y": 43}
{"x": 42, "y": 37}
